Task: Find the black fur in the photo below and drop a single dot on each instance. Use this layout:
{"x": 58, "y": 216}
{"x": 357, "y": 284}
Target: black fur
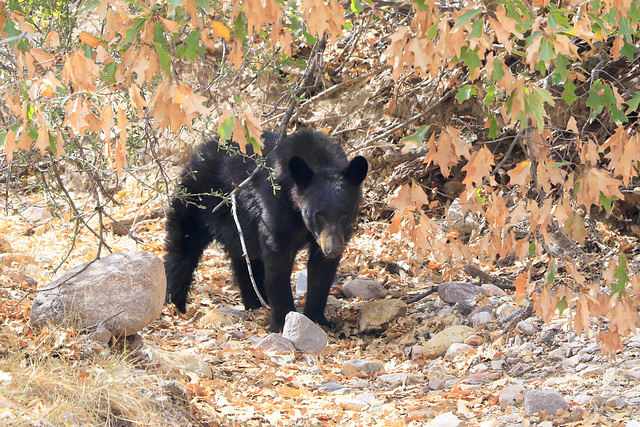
{"x": 316, "y": 207}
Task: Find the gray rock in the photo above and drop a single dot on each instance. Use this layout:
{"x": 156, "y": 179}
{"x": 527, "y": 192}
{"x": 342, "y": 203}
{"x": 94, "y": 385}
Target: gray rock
{"x": 277, "y": 343}
{"x": 436, "y": 383}
{"x": 504, "y": 309}
{"x": 457, "y": 349}
{"x": 512, "y": 395}
{"x": 445, "y": 420}
{"x": 543, "y": 400}
{"x": 528, "y": 327}
{"x": 480, "y": 318}
{"x": 122, "y": 293}
{"x": 365, "y": 288}
{"x": 452, "y": 292}
{"x": 331, "y": 387}
{"x": 303, "y": 333}
{"x": 376, "y": 315}
{"x": 492, "y": 290}
{"x": 361, "y": 368}
{"x": 396, "y": 380}
{"x": 440, "y": 343}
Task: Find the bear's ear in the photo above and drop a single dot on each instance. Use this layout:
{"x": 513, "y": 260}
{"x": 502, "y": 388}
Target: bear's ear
{"x": 356, "y": 171}
{"x": 300, "y": 171}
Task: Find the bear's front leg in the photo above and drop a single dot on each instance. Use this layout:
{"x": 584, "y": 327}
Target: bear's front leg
{"x": 320, "y": 274}
{"x": 278, "y": 266}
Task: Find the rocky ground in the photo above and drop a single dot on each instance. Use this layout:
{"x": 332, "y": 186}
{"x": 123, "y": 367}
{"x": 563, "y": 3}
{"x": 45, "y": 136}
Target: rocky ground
{"x": 467, "y": 354}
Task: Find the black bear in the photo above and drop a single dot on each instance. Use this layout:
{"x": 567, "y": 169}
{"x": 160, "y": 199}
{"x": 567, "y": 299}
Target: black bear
{"x": 308, "y": 196}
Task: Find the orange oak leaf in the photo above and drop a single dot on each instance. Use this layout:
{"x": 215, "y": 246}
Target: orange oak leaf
{"x": 592, "y": 182}
{"x": 521, "y": 285}
{"x": 10, "y": 146}
{"x": 448, "y": 151}
{"x": 42, "y": 142}
{"x": 479, "y": 167}
{"x": 81, "y": 71}
{"x": 521, "y": 174}
{"x": 89, "y": 39}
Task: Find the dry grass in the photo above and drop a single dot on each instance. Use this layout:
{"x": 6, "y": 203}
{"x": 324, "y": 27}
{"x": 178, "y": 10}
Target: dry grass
{"x": 56, "y": 379}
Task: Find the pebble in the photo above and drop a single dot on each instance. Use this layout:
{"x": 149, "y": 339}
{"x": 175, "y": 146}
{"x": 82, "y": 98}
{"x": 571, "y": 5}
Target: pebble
{"x": 528, "y": 327}
{"x": 361, "y": 368}
{"x": 331, "y": 386}
{"x": 303, "y": 333}
{"x": 436, "y": 383}
{"x": 376, "y": 315}
{"x": 512, "y": 395}
{"x": 365, "y": 288}
{"x": 276, "y": 343}
{"x": 457, "y": 349}
{"x": 474, "y": 340}
{"x": 453, "y": 292}
{"x": 543, "y": 400}
{"x": 445, "y": 420}
{"x": 492, "y": 290}
{"x": 351, "y": 404}
{"x": 440, "y": 343}
{"x": 480, "y": 318}
{"x": 396, "y": 380}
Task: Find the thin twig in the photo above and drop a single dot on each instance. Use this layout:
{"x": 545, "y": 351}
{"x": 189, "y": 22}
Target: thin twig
{"x": 425, "y": 112}
{"x": 305, "y": 84}
{"x": 245, "y": 254}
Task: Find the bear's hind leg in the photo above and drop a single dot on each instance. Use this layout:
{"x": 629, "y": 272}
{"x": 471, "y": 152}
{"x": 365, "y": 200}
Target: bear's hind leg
{"x": 241, "y": 273}
{"x": 186, "y": 240}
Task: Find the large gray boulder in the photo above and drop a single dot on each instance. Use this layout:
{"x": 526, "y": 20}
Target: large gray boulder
{"x": 119, "y": 294}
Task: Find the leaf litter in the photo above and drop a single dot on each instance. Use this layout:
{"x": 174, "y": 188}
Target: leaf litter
{"x": 203, "y": 368}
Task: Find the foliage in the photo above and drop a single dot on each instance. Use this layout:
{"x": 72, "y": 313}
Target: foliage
{"x": 91, "y": 86}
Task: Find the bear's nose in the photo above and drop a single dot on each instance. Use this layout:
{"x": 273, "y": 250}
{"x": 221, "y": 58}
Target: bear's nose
{"x": 334, "y": 252}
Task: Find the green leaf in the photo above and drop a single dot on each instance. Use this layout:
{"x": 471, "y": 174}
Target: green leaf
{"x": 356, "y": 6}
{"x": 476, "y": 29}
{"x": 628, "y": 51}
{"x": 624, "y": 28}
{"x": 164, "y": 57}
{"x": 621, "y": 275}
{"x": 634, "y": 102}
{"x": 421, "y": 5}
{"x": 191, "y": 46}
{"x": 133, "y": 32}
{"x": 226, "y": 129}
{"x": 417, "y": 137}
{"x": 552, "y": 273}
{"x": 561, "y": 64}
{"x": 433, "y": 31}
{"x": 596, "y": 100}
{"x": 494, "y": 129}
{"x": 546, "y": 51}
{"x": 110, "y": 72}
{"x": 562, "y": 305}
{"x": 203, "y": 4}
{"x": 158, "y": 34}
{"x": 467, "y": 16}
{"x": 563, "y": 163}
{"x": 465, "y": 93}
{"x": 532, "y": 249}
{"x": 473, "y": 61}
{"x": 535, "y": 102}
{"x": 498, "y": 70}
{"x": 490, "y": 96}
{"x": 607, "y": 203}
{"x": 569, "y": 93}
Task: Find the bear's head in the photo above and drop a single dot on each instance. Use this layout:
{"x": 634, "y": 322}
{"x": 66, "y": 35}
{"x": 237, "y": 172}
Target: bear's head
{"x": 328, "y": 199}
